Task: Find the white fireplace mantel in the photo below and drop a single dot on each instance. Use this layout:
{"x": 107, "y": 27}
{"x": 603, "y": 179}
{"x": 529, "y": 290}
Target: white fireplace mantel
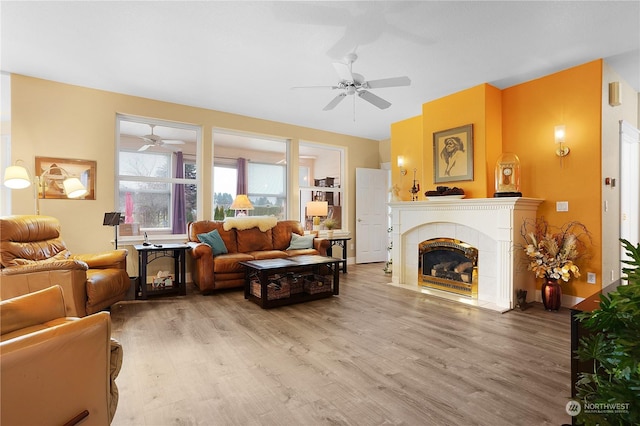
{"x": 492, "y": 225}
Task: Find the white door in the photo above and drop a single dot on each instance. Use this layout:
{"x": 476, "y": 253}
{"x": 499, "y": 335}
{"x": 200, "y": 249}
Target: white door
{"x": 371, "y": 215}
{"x": 629, "y": 184}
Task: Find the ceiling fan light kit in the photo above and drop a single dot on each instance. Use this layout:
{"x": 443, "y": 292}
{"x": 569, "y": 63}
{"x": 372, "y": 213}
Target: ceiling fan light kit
{"x": 355, "y": 84}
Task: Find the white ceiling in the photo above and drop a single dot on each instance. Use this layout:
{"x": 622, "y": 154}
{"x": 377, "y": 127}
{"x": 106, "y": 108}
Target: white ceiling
{"x": 244, "y": 57}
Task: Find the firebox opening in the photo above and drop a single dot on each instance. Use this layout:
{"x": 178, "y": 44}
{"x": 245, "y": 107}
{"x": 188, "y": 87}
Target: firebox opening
{"x": 450, "y": 265}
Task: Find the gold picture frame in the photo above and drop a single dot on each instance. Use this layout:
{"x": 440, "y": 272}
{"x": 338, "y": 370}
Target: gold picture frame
{"x": 453, "y": 154}
{"x": 54, "y": 170}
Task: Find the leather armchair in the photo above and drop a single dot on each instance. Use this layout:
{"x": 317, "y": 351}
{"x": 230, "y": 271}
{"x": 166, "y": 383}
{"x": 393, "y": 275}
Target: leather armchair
{"x": 33, "y": 256}
{"x": 54, "y": 369}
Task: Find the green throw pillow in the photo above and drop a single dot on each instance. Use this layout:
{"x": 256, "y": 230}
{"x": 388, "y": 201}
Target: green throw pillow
{"x": 301, "y": 242}
{"x": 214, "y": 240}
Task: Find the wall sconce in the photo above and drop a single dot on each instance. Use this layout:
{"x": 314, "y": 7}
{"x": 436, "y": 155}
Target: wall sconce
{"x": 559, "y": 134}
{"x": 403, "y": 171}
{"x": 18, "y": 177}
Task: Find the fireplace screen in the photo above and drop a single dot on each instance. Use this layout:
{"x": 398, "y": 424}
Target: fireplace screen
{"x": 450, "y": 265}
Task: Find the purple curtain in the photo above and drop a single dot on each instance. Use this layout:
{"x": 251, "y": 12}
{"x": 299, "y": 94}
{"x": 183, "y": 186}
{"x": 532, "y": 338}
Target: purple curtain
{"x": 241, "y": 187}
{"x": 179, "y": 204}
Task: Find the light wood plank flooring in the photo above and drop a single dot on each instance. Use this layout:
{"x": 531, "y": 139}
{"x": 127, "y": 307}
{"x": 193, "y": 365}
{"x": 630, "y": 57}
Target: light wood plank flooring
{"x": 374, "y": 355}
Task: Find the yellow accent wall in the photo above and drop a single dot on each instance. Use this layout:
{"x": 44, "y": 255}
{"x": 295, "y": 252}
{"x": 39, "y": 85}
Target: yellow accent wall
{"x": 406, "y": 137}
{"x": 571, "y": 97}
{"x": 480, "y": 106}
{"x": 521, "y": 119}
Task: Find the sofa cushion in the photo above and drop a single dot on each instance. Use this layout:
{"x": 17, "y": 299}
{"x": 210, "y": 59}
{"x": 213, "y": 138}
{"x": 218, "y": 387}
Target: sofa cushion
{"x": 269, "y": 254}
{"x": 214, "y": 240}
{"x": 204, "y": 226}
{"x": 226, "y": 263}
{"x": 300, "y": 242}
{"x": 282, "y": 233}
{"x": 253, "y": 240}
{"x": 302, "y": 252}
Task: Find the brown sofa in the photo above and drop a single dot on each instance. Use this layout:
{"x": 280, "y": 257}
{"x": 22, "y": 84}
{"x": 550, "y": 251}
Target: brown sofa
{"x": 33, "y": 256}
{"x": 55, "y": 368}
{"x": 223, "y": 271}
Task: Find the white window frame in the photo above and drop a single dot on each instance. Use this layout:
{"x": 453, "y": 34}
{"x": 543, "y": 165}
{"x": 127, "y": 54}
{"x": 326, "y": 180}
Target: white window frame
{"x": 165, "y": 233}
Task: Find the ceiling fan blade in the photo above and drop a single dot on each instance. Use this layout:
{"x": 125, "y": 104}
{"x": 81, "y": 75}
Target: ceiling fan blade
{"x": 172, "y": 142}
{"x": 331, "y": 105}
{"x": 144, "y": 147}
{"x": 343, "y": 70}
{"x": 388, "y": 82}
{"x": 373, "y": 99}
{"x": 315, "y": 87}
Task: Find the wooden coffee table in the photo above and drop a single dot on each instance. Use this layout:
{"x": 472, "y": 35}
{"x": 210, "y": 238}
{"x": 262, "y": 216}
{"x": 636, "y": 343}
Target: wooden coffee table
{"x": 265, "y": 268}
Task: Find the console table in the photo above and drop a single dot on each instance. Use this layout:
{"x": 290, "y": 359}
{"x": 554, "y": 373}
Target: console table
{"x": 147, "y": 254}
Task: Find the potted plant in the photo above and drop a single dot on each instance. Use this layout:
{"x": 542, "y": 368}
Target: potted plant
{"x": 609, "y": 393}
{"x": 330, "y": 223}
{"x": 553, "y": 254}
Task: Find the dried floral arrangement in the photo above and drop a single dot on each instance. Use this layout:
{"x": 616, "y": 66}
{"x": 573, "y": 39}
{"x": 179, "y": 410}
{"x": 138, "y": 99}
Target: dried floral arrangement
{"x": 553, "y": 252}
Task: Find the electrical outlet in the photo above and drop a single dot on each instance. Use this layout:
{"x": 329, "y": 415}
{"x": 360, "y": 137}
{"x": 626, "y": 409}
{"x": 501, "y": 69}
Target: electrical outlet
{"x": 562, "y": 206}
{"x": 591, "y": 277}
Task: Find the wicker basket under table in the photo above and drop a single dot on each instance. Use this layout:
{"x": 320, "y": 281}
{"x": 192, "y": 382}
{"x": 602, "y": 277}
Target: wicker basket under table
{"x": 315, "y": 283}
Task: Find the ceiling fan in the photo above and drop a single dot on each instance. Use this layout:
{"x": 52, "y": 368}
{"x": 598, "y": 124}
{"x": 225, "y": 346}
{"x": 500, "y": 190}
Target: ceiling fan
{"x": 355, "y": 84}
{"x": 155, "y": 140}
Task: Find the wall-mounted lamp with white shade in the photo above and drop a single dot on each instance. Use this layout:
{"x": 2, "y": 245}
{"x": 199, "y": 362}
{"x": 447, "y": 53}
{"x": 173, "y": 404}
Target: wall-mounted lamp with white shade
{"x": 18, "y": 177}
{"x": 560, "y": 139}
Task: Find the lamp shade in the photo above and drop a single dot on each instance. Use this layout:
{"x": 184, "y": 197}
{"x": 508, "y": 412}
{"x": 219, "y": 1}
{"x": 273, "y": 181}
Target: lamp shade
{"x": 16, "y": 177}
{"x": 74, "y": 188}
{"x": 241, "y": 203}
{"x": 317, "y": 208}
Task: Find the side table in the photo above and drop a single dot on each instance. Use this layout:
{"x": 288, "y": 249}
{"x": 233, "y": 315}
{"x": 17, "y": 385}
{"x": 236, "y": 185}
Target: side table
{"x": 340, "y": 242}
{"x": 147, "y": 254}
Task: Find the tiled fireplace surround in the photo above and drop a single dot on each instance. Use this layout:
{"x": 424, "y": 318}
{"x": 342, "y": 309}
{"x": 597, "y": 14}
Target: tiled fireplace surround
{"x": 492, "y": 225}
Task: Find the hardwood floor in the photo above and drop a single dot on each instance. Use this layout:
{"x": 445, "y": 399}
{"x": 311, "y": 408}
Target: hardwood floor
{"x": 374, "y": 355}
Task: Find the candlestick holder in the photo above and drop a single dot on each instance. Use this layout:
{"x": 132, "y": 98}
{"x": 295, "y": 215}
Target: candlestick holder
{"x": 415, "y": 189}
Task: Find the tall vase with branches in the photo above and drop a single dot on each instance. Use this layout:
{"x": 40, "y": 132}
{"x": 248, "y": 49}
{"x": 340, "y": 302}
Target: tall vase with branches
{"x": 553, "y": 254}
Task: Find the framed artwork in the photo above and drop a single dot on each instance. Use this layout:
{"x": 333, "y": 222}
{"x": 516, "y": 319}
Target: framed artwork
{"x": 55, "y": 170}
{"x": 453, "y": 154}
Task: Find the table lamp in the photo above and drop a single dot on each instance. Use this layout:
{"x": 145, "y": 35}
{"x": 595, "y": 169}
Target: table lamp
{"x": 241, "y": 204}
{"x": 317, "y": 209}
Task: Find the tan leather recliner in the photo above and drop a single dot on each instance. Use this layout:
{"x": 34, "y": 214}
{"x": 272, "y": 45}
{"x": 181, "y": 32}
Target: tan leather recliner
{"x": 54, "y": 368}
{"x": 33, "y": 257}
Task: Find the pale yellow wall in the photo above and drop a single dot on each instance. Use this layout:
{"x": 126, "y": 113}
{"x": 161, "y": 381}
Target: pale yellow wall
{"x": 59, "y": 120}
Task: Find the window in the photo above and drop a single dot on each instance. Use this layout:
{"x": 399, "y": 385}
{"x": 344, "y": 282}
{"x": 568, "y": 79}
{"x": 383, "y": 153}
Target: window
{"x": 157, "y": 179}
{"x": 266, "y": 188}
{"x": 265, "y": 173}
